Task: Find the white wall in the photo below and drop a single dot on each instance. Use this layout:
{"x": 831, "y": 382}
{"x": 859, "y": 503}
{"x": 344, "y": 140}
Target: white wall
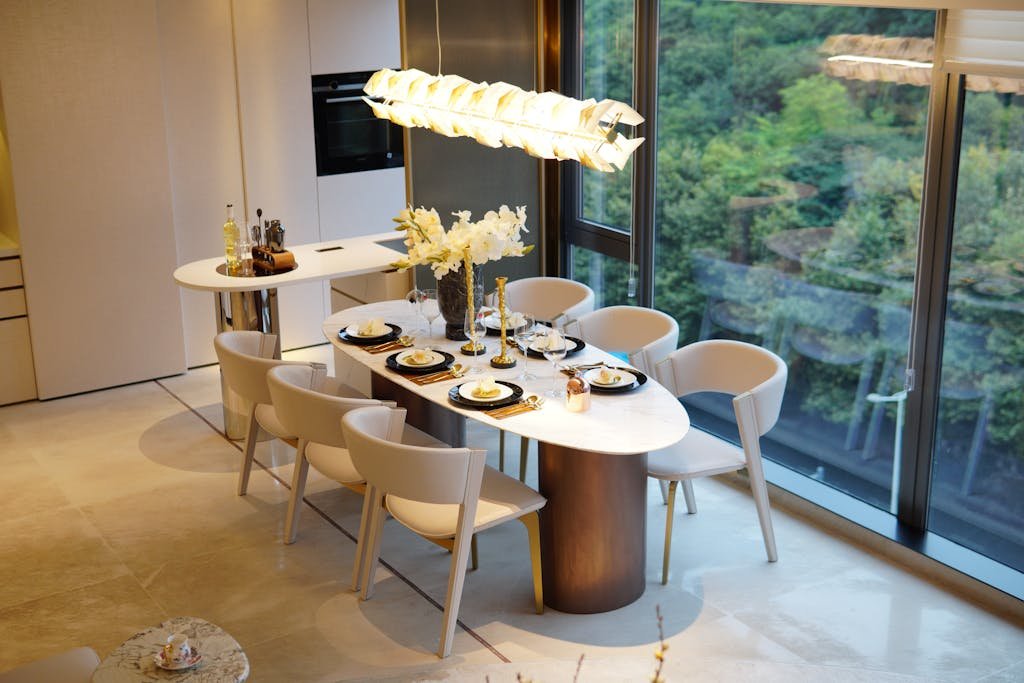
{"x": 204, "y": 147}
{"x": 82, "y": 96}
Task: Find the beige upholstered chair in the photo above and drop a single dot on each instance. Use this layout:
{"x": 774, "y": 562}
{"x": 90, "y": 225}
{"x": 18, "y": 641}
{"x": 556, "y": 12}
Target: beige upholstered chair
{"x": 440, "y": 493}
{"x": 244, "y": 358}
{"x": 547, "y": 299}
{"x": 306, "y": 405}
{"x": 756, "y": 378}
{"x": 645, "y": 335}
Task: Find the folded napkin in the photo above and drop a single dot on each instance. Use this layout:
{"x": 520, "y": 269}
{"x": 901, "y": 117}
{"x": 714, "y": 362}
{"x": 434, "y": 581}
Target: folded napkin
{"x": 553, "y": 339}
{"x": 421, "y": 356}
{"x": 486, "y": 388}
{"x": 373, "y": 327}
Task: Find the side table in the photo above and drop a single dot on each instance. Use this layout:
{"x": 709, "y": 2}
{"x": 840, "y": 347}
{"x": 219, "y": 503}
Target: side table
{"x": 132, "y": 661}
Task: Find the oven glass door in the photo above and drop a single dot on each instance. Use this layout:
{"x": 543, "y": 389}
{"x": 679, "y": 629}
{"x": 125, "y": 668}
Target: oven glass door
{"x": 349, "y": 137}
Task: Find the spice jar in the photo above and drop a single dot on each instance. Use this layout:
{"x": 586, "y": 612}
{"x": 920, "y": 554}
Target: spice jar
{"x": 577, "y": 394}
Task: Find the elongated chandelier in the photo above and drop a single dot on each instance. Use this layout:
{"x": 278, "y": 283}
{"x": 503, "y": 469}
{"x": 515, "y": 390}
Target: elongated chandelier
{"x": 546, "y": 125}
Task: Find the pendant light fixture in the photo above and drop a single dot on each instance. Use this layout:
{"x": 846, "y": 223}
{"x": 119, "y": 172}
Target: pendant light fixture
{"x": 546, "y": 125}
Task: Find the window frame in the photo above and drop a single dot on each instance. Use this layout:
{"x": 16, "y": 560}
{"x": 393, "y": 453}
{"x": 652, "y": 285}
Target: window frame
{"x": 909, "y": 526}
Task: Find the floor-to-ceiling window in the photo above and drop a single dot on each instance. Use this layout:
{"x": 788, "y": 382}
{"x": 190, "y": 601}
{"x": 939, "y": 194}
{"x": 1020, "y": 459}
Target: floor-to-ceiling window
{"x": 792, "y": 147}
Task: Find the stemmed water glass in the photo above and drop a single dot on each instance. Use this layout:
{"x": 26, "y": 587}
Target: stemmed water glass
{"x": 415, "y": 297}
{"x": 429, "y": 308}
{"x": 475, "y": 330}
{"x": 554, "y": 351}
{"x": 523, "y": 333}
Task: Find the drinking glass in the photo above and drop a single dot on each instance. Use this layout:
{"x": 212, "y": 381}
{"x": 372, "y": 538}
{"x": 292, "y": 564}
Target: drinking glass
{"x": 415, "y": 298}
{"x": 554, "y": 351}
{"x": 523, "y": 334}
{"x": 475, "y": 331}
{"x": 429, "y": 308}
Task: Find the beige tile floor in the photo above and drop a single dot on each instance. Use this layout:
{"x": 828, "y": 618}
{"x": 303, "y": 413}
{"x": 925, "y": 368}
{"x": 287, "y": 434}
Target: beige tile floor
{"x": 117, "y": 511}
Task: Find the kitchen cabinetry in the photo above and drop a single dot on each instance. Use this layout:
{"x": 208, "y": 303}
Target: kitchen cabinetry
{"x": 347, "y": 292}
{"x": 17, "y": 380}
{"x": 92, "y": 191}
{"x": 353, "y": 35}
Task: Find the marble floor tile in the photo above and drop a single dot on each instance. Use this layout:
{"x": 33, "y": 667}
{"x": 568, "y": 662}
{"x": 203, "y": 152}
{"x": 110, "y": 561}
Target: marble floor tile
{"x": 26, "y": 488}
{"x": 118, "y": 510}
{"x": 52, "y": 552}
{"x": 101, "y": 616}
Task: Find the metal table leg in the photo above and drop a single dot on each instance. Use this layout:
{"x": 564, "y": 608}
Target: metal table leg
{"x": 252, "y": 310}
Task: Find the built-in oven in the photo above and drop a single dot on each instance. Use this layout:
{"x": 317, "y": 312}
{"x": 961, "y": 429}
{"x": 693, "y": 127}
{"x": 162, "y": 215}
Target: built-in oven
{"x": 349, "y": 137}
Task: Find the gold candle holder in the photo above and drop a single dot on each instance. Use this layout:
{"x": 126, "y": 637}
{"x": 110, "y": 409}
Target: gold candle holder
{"x": 502, "y": 360}
{"x": 471, "y": 347}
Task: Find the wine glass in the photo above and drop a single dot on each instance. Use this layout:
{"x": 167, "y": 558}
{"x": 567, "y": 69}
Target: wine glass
{"x": 475, "y": 330}
{"x": 554, "y": 351}
{"x": 429, "y": 308}
{"x": 415, "y": 297}
{"x": 523, "y": 333}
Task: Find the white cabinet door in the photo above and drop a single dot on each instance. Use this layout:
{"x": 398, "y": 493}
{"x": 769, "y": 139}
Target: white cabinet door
{"x": 276, "y": 116}
{"x": 205, "y": 153}
{"x": 353, "y": 35}
{"x": 92, "y": 190}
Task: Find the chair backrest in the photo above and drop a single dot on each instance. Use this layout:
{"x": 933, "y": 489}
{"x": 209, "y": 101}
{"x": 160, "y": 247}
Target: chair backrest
{"x": 647, "y": 336}
{"x": 244, "y": 359}
{"x": 305, "y": 412}
{"x": 547, "y": 298}
{"x": 736, "y": 368}
{"x": 429, "y": 475}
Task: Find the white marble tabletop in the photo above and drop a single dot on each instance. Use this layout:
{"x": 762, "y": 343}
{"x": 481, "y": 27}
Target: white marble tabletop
{"x": 639, "y": 421}
{"x": 320, "y": 261}
{"x": 222, "y": 660}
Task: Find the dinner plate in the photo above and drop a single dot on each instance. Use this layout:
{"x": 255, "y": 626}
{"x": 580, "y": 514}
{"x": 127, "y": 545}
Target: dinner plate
{"x": 578, "y": 345}
{"x": 344, "y": 336}
{"x": 492, "y": 324}
{"x": 441, "y": 361}
{"x": 629, "y": 379}
{"x": 510, "y": 394}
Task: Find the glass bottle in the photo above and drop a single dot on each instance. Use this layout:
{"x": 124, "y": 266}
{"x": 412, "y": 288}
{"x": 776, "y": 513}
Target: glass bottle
{"x": 230, "y": 241}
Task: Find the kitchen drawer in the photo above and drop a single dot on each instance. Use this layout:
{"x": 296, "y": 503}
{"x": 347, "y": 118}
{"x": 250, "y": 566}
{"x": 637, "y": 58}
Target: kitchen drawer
{"x": 18, "y": 379}
{"x": 373, "y": 287}
{"x": 339, "y": 301}
{"x": 12, "y": 302}
{"x": 10, "y": 273}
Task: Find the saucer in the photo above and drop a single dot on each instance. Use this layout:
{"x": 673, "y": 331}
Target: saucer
{"x": 176, "y": 666}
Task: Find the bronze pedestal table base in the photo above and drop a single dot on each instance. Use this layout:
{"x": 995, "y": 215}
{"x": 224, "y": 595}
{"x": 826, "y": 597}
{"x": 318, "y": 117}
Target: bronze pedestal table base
{"x": 593, "y": 528}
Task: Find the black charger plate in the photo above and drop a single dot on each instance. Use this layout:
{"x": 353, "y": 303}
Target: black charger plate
{"x": 370, "y": 341}
{"x": 580, "y": 345}
{"x": 393, "y": 364}
{"x": 641, "y": 379}
{"x": 458, "y": 399}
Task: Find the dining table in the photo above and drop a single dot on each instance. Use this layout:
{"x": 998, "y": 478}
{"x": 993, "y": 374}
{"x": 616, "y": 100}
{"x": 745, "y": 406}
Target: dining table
{"x": 592, "y": 465}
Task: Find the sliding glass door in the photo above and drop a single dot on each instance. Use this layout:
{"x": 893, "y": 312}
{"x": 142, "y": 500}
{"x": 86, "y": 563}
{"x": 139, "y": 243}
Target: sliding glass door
{"x": 977, "y": 478}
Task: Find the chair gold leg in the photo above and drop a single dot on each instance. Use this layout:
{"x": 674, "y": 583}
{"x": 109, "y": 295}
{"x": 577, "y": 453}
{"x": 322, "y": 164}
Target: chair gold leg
{"x": 668, "y": 531}
{"x": 532, "y": 523}
{"x": 524, "y": 450}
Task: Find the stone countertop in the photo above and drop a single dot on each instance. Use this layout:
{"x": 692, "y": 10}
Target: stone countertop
{"x": 646, "y": 419}
{"x": 320, "y": 261}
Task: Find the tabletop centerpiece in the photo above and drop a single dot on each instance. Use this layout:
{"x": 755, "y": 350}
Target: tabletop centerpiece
{"x": 455, "y": 255}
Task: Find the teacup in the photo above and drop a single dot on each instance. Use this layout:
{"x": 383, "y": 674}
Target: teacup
{"x": 177, "y": 650}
